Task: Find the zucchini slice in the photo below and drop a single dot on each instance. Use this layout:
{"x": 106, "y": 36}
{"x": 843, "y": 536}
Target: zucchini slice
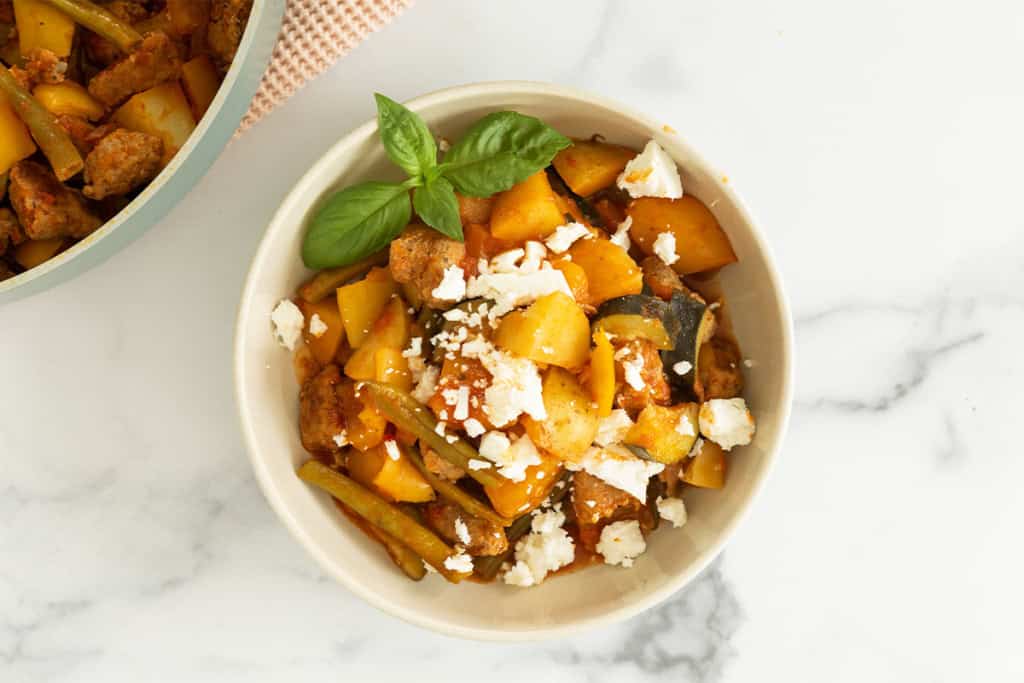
{"x": 638, "y": 316}
{"x": 694, "y": 324}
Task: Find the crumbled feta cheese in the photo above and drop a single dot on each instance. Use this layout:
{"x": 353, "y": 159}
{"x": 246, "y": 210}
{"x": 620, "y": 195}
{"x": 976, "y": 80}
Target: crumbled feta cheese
{"x": 621, "y": 542}
{"x": 476, "y": 464}
{"x": 665, "y": 248}
{"x": 652, "y": 173}
{"x": 392, "y": 449}
{"x": 747, "y": 363}
{"x": 515, "y": 384}
{"x": 510, "y": 290}
{"x": 442, "y": 415}
{"x": 727, "y": 422}
{"x": 617, "y": 466}
{"x": 450, "y": 396}
{"x": 427, "y": 384}
{"x": 462, "y": 403}
{"x": 317, "y": 327}
{"x": 621, "y": 236}
{"x": 591, "y": 503}
{"x": 340, "y": 439}
{"x": 415, "y": 348}
{"x": 684, "y": 426}
{"x": 512, "y": 458}
{"x": 288, "y": 323}
{"x": 546, "y": 548}
{"x": 565, "y": 235}
{"x": 439, "y": 428}
{"x": 460, "y": 562}
{"x": 714, "y": 304}
{"x": 462, "y": 531}
{"x": 673, "y": 510}
{"x": 473, "y": 427}
{"x": 695, "y": 450}
{"x": 613, "y": 429}
{"x": 682, "y": 367}
{"x": 535, "y": 253}
{"x": 452, "y": 286}
{"x": 455, "y": 315}
{"x": 507, "y": 261}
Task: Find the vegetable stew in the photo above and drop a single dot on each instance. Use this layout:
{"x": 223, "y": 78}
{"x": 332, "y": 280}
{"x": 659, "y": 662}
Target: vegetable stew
{"x": 519, "y": 360}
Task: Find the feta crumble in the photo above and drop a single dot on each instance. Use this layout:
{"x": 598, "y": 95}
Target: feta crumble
{"x": 453, "y": 285}
{"x": 534, "y": 256}
{"x": 462, "y": 403}
{"x": 512, "y": 458}
{"x": 565, "y": 235}
{"x": 617, "y": 466}
{"x": 473, "y": 427}
{"x": 460, "y": 562}
{"x": 515, "y": 384}
{"x": 392, "y": 449}
{"x": 673, "y": 510}
{"x": 507, "y": 261}
{"x": 682, "y": 367}
{"x": 613, "y": 429}
{"x": 317, "y": 327}
{"x": 621, "y": 236}
{"x": 665, "y": 248}
{"x": 427, "y": 384}
{"x": 288, "y": 323}
{"x": 684, "y": 426}
{"x": 509, "y": 290}
{"x": 546, "y": 548}
{"x": 462, "y": 531}
{"x": 727, "y": 422}
{"x": 475, "y": 465}
{"x": 340, "y": 439}
{"x": 621, "y": 542}
{"x": 652, "y": 173}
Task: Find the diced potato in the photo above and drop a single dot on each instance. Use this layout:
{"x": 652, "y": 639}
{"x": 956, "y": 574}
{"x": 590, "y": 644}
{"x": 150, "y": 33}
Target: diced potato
{"x": 393, "y": 368}
{"x": 33, "y": 252}
{"x": 576, "y": 277}
{"x": 364, "y": 426}
{"x": 69, "y": 98}
{"x": 361, "y": 304}
{"x": 324, "y": 347}
{"x": 602, "y": 374}
{"x": 162, "y": 111}
{"x": 553, "y": 330}
{"x": 610, "y": 270}
{"x": 657, "y": 430}
{"x": 514, "y": 498}
{"x": 480, "y": 243}
{"x": 390, "y": 331}
{"x": 201, "y": 81}
{"x": 707, "y": 468}
{"x": 700, "y": 241}
{"x": 589, "y": 166}
{"x": 15, "y": 141}
{"x": 572, "y": 419}
{"x": 397, "y": 480}
{"x": 42, "y": 26}
{"x": 474, "y": 209}
{"x": 527, "y": 211}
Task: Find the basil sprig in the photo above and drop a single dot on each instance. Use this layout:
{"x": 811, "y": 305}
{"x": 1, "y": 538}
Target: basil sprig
{"x": 498, "y": 151}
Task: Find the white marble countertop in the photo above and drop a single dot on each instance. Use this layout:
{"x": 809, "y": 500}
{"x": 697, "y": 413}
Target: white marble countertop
{"x": 880, "y": 145}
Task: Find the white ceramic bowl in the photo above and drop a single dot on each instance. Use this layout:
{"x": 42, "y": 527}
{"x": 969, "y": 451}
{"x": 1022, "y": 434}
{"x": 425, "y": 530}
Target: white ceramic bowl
{"x": 268, "y": 395}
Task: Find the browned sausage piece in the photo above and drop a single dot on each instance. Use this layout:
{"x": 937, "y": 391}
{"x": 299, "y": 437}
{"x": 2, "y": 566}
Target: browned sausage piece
{"x": 320, "y": 416}
{"x": 100, "y": 50}
{"x": 47, "y": 208}
{"x": 595, "y": 501}
{"x": 120, "y": 162}
{"x": 655, "y": 389}
{"x": 83, "y": 134}
{"x": 11, "y": 234}
{"x": 419, "y": 256}
{"x": 227, "y": 24}
{"x": 154, "y": 61}
{"x": 719, "y": 369}
{"x": 441, "y": 467}
{"x": 479, "y": 536}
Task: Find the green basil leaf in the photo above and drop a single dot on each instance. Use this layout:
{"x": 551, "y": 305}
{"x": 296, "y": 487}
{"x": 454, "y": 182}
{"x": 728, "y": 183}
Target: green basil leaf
{"x": 406, "y": 138}
{"x": 436, "y": 204}
{"x": 500, "y": 150}
{"x": 355, "y": 223}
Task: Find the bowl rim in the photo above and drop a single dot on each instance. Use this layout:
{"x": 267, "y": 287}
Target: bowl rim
{"x": 629, "y": 609}
{"x": 210, "y": 137}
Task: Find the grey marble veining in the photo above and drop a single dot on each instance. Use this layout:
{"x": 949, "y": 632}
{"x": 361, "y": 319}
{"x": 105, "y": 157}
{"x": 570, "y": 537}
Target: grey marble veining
{"x": 879, "y": 146}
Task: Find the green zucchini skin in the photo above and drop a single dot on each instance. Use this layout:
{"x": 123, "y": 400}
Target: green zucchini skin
{"x": 646, "y": 307}
{"x": 586, "y": 208}
{"x": 693, "y": 323}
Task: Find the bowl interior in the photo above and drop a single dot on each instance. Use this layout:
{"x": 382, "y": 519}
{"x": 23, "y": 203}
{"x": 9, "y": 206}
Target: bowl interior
{"x": 267, "y": 391}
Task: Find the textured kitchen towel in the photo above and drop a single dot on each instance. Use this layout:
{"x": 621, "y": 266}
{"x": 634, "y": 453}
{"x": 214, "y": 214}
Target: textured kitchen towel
{"x": 314, "y": 35}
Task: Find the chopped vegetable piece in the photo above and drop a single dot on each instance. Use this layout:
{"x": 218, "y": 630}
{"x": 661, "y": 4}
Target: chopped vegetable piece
{"x": 452, "y": 492}
{"x": 610, "y": 270}
{"x": 553, "y": 330}
{"x": 162, "y": 111}
{"x": 396, "y": 479}
{"x": 383, "y": 515}
{"x": 572, "y": 419}
{"x": 99, "y": 21}
{"x": 33, "y": 252}
{"x": 324, "y": 345}
{"x": 637, "y": 316}
{"x": 666, "y": 433}
{"x": 602, "y": 374}
{"x": 51, "y": 138}
{"x": 407, "y": 413}
{"x": 392, "y": 368}
{"x": 327, "y": 281}
{"x": 201, "y": 81}
{"x": 69, "y": 98}
{"x": 511, "y": 498}
{"x": 43, "y": 27}
{"x": 700, "y": 241}
{"x": 576, "y": 278}
{"x": 527, "y": 211}
{"x": 694, "y": 324}
{"x": 15, "y": 142}
{"x": 589, "y": 165}
{"x": 364, "y": 426}
{"x": 707, "y": 468}
{"x": 361, "y": 304}
{"x": 389, "y": 331}
{"x": 409, "y": 562}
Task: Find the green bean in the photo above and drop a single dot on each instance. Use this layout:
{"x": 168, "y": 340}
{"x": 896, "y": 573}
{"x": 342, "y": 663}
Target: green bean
{"x": 382, "y": 515}
{"x": 487, "y": 567}
{"x": 51, "y": 138}
{"x": 452, "y": 492}
{"x": 326, "y": 281}
{"x": 99, "y": 21}
{"x": 407, "y": 413}
{"x": 404, "y": 558}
